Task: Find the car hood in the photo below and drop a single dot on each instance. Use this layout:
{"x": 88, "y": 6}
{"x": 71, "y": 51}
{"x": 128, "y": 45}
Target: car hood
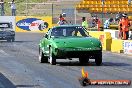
{"x": 79, "y": 42}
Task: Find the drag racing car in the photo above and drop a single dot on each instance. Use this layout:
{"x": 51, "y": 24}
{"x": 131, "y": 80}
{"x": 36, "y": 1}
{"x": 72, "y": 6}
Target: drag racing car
{"x": 7, "y": 32}
{"x": 69, "y": 41}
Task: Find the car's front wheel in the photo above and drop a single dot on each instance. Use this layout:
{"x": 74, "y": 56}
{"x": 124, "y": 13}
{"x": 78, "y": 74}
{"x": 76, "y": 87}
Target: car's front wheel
{"x": 98, "y": 59}
{"x": 52, "y": 57}
{"x": 42, "y": 58}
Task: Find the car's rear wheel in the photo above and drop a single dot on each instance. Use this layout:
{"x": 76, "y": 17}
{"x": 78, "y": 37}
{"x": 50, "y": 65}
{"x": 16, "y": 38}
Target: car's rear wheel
{"x": 42, "y": 58}
{"x": 9, "y": 40}
{"x": 83, "y": 60}
{"x": 13, "y": 39}
{"x": 52, "y": 57}
{"x": 98, "y": 59}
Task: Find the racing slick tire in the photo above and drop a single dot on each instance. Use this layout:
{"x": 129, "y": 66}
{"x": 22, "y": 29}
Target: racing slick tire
{"x": 13, "y": 39}
{"x": 9, "y": 40}
{"x": 42, "y": 58}
{"x": 98, "y": 59}
{"x": 52, "y": 58}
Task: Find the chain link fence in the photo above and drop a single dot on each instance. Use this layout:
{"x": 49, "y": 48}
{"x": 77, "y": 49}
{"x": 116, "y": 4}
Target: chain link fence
{"x": 73, "y": 16}
{"x": 51, "y": 9}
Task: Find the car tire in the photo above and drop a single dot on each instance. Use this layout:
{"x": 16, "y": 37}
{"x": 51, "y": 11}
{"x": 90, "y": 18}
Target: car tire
{"x": 52, "y": 58}
{"x": 8, "y": 40}
{"x": 83, "y": 60}
{"x": 13, "y": 39}
{"x": 42, "y": 58}
{"x": 98, "y": 59}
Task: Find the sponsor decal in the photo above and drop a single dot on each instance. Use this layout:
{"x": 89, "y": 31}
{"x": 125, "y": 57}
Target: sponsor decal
{"x": 84, "y": 81}
{"x": 127, "y": 47}
{"x": 31, "y": 24}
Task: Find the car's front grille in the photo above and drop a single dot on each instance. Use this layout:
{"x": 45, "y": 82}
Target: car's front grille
{"x": 77, "y": 54}
{"x": 81, "y": 53}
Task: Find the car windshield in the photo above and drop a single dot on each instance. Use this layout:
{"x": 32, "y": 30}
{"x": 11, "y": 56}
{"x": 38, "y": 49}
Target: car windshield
{"x": 69, "y": 32}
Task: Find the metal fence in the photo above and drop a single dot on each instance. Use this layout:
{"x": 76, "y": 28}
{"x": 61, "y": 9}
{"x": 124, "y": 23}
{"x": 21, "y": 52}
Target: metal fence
{"x": 55, "y": 9}
{"x": 52, "y": 9}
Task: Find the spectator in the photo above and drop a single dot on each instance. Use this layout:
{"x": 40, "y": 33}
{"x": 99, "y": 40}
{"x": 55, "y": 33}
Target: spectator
{"x": 2, "y": 7}
{"x": 124, "y": 25}
{"x": 98, "y": 22}
{"x": 120, "y": 29}
{"x": 84, "y": 22}
{"x": 129, "y": 2}
{"x": 13, "y": 8}
{"x": 62, "y": 20}
{"x": 93, "y": 22}
{"x": 131, "y": 36}
{"x": 107, "y": 23}
{"x": 118, "y": 16}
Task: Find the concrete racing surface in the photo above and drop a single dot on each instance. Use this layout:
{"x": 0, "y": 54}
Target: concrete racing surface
{"x": 20, "y": 68}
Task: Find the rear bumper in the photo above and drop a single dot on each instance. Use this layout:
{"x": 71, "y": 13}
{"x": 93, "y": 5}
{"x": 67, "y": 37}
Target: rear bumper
{"x": 77, "y": 54}
{"x": 5, "y": 37}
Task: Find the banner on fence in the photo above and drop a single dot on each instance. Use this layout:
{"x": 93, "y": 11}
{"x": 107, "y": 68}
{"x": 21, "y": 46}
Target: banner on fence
{"x": 33, "y": 24}
{"x": 127, "y": 47}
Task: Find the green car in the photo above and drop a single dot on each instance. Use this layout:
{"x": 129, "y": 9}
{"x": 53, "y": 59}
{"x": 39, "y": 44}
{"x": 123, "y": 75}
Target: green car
{"x": 69, "y": 41}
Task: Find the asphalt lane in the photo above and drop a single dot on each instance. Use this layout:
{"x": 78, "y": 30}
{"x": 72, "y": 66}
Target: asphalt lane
{"x": 20, "y": 68}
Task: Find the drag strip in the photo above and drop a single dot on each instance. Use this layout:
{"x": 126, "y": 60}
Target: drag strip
{"x": 19, "y": 64}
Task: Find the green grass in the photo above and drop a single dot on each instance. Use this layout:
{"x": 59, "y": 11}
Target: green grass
{"x": 21, "y": 6}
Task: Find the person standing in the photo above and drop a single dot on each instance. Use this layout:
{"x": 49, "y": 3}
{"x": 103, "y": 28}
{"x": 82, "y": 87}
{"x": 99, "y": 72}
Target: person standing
{"x": 124, "y": 25}
{"x": 98, "y": 22}
{"x": 84, "y": 22}
{"x": 2, "y": 7}
{"x": 107, "y": 23}
{"x": 13, "y": 8}
{"x": 120, "y": 29}
{"x": 129, "y": 2}
{"x": 62, "y": 20}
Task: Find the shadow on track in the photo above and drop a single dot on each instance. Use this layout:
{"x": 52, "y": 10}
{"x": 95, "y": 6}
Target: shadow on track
{"x": 15, "y": 41}
{"x": 91, "y": 64}
{"x": 71, "y": 64}
{"x": 34, "y": 86}
{"x": 115, "y": 64}
{"x": 22, "y": 41}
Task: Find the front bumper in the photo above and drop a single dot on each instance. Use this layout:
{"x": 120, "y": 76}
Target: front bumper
{"x": 76, "y": 53}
